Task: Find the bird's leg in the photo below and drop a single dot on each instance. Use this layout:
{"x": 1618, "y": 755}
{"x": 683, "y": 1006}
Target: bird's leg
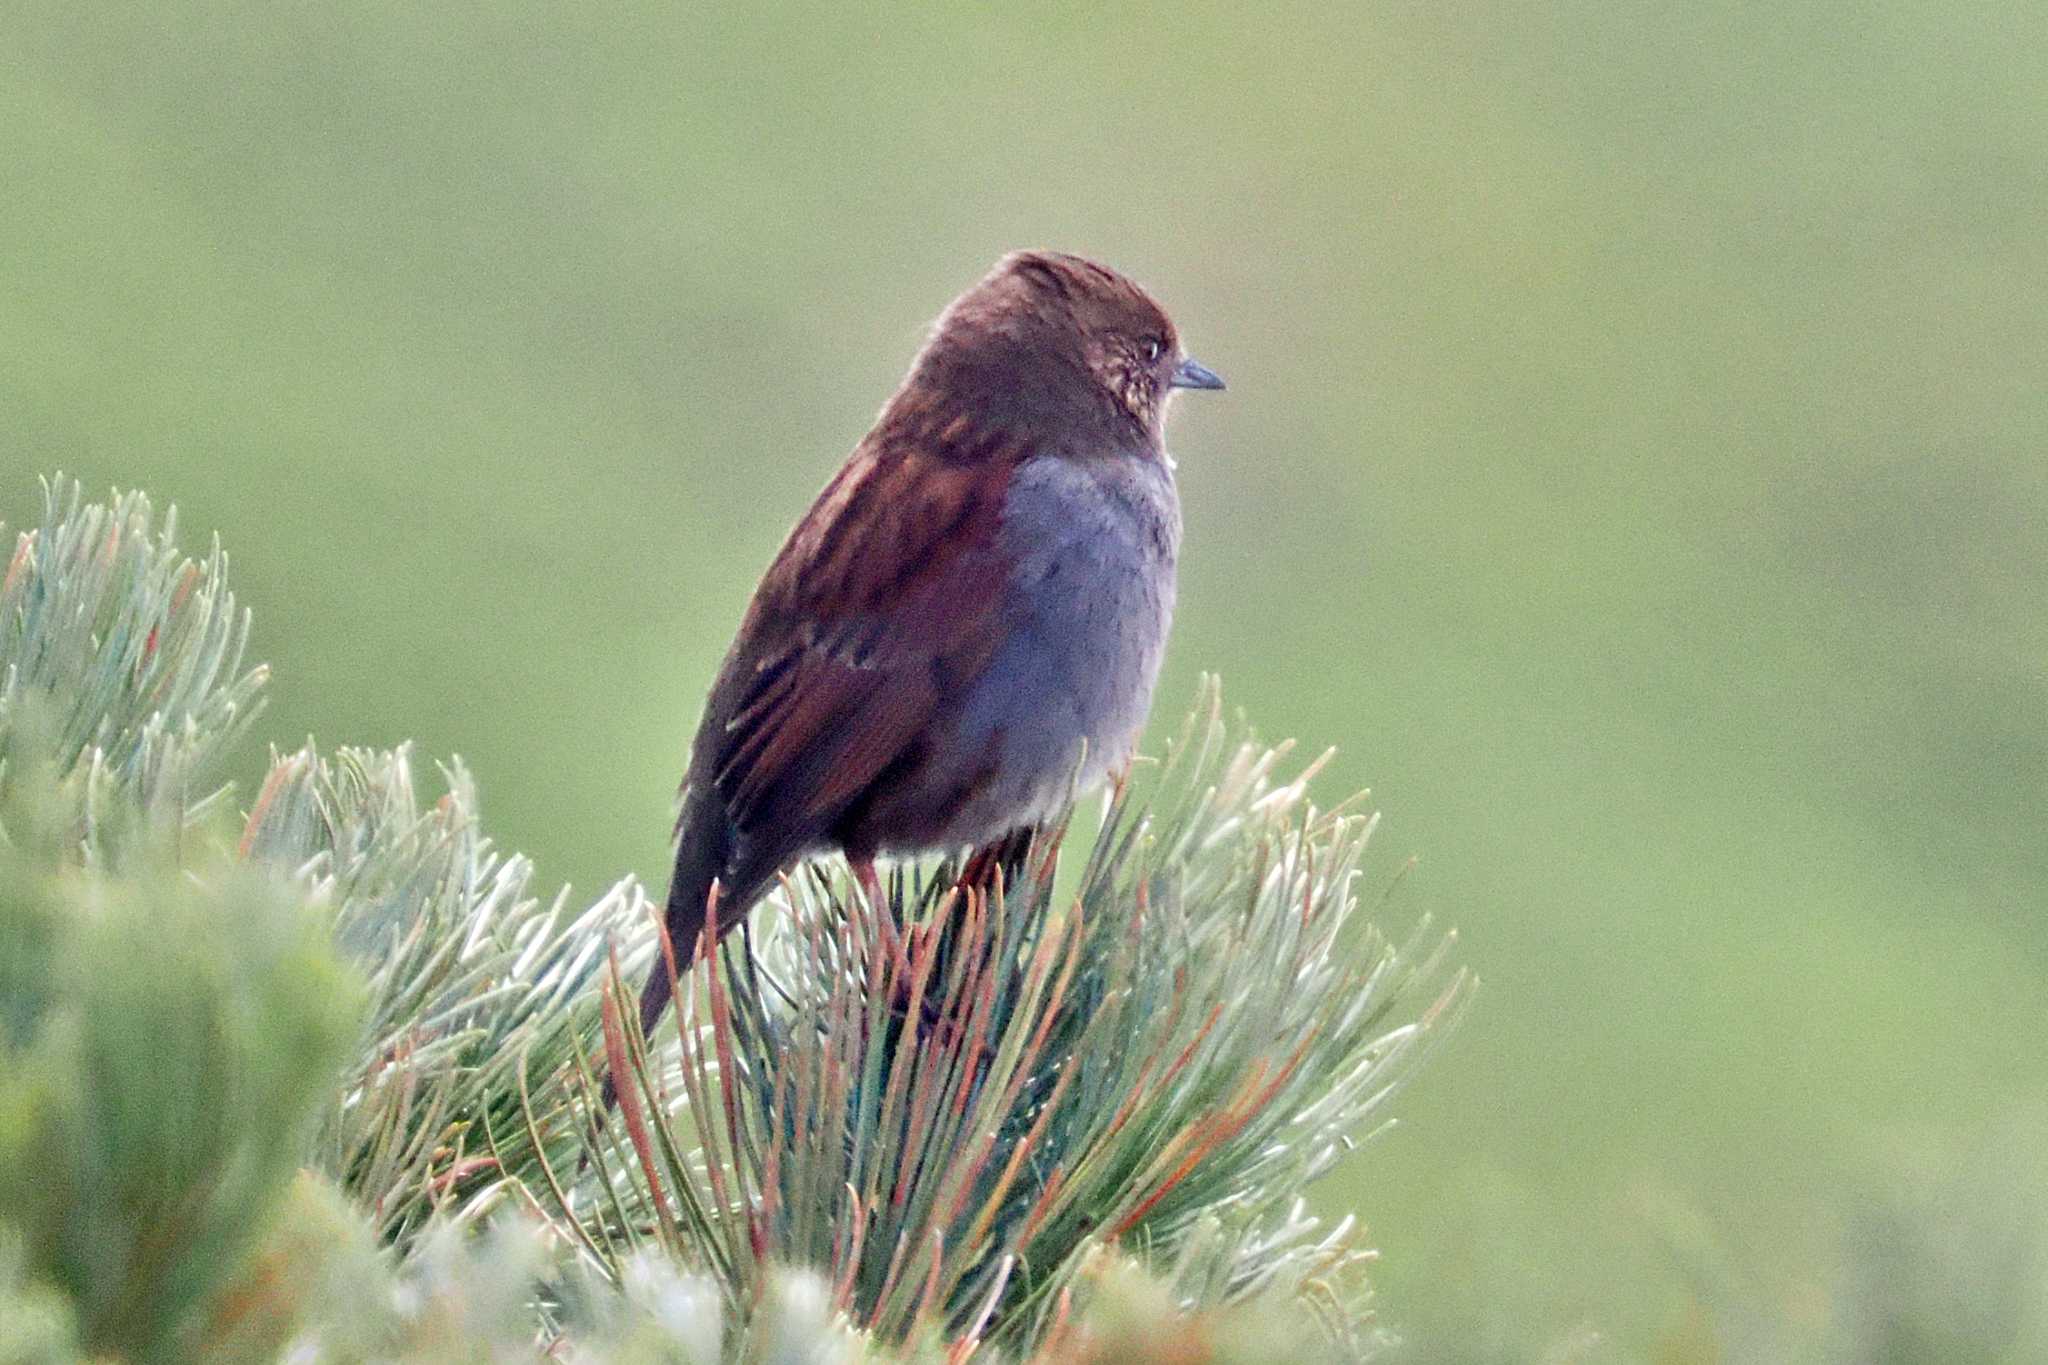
{"x": 885, "y": 917}
{"x": 1002, "y": 859}
{"x": 1006, "y": 855}
{"x": 870, "y": 881}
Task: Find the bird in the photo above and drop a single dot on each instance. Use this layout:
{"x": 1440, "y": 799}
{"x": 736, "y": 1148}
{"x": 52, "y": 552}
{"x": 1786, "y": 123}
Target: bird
{"x": 964, "y": 630}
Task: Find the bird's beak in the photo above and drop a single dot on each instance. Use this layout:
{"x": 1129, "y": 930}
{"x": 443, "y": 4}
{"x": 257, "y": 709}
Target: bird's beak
{"x": 1192, "y": 374}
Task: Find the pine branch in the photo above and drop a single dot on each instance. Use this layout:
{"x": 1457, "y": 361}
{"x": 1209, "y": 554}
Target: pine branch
{"x": 124, "y": 658}
{"x": 168, "y": 1045}
{"x": 470, "y": 975}
{"x": 1075, "y": 1112}
{"x": 1163, "y": 1059}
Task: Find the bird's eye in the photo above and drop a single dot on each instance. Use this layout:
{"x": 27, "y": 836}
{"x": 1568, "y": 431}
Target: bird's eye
{"x": 1153, "y": 346}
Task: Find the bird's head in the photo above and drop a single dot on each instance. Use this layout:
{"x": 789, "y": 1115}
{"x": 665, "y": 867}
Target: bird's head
{"x": 1051, "y": 338}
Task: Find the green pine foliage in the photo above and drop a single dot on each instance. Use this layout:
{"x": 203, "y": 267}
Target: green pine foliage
{"x": 122, "y": 658}
{"x": 956, "y": 1130}
{"x": 322, "y": 1081}
{"x": 159, "y": 1094}
{"x": 472, "y": 977}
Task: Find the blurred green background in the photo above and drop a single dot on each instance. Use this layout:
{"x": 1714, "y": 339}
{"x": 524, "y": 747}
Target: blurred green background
{"x": 1633, "y": 461}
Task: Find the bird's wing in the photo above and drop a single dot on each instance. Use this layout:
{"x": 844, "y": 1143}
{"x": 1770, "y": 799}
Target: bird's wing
{"x": 885, "y": 596}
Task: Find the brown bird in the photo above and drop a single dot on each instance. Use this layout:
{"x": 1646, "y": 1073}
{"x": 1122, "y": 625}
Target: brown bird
{"x": 980, "y": 593}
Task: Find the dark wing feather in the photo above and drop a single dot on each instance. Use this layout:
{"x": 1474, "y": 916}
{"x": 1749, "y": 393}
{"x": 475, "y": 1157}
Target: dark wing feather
{"x": 884, "y": 597}
{"x": 884, "y": 592}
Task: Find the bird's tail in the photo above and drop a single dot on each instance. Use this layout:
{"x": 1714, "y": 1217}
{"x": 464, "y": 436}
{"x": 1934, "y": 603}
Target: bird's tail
{"x": 700, "y": 861}
{"x": 699, "y": 856}
{"x": 659, "y": 990}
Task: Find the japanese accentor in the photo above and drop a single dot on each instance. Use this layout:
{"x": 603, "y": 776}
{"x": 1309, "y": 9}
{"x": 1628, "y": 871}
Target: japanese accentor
{"x": 983, "y": 589}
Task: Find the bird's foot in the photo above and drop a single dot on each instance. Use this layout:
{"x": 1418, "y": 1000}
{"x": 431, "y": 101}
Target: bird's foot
{"x": 885, "y": 921}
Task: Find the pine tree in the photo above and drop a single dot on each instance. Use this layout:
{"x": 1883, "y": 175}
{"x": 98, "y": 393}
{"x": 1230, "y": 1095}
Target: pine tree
{"x": 324, "y": 1077}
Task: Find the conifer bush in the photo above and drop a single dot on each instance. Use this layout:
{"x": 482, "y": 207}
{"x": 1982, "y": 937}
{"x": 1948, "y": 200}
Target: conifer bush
{"x": 319, "y": 1078}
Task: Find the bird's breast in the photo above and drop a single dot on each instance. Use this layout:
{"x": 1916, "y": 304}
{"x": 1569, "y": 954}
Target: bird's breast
{"x": 1090, "y": 548}
{"x": 1092, "y": 545}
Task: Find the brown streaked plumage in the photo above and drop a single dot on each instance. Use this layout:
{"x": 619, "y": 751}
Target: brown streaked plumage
{"x": 982, "y": 588}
